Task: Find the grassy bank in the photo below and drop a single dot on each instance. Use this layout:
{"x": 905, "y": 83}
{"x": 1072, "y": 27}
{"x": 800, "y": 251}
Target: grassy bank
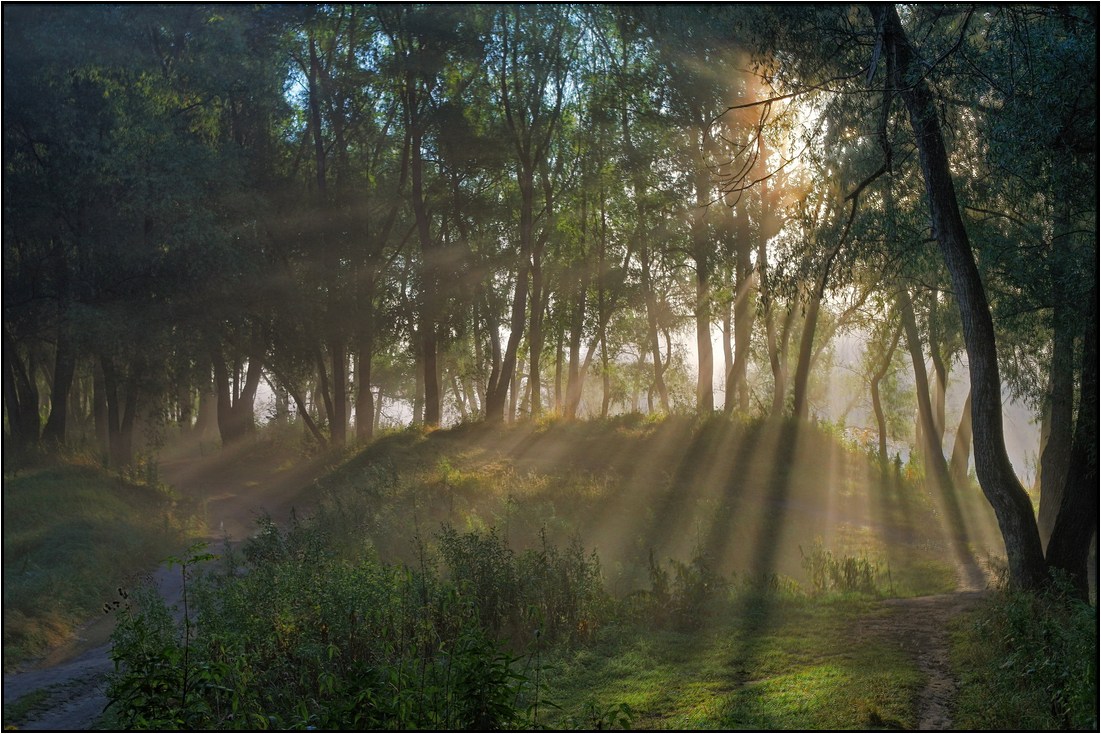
{"x": 1028, "y": 662}
{"x": 73, "y": 534}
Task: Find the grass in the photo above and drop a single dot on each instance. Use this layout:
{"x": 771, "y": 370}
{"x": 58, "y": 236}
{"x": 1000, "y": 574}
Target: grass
{"x": 73, "y": 534}
{"x": 17, "y": 711}
{"x": 784, "y": 663}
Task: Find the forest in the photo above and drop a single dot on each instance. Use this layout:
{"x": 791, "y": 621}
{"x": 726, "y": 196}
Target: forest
{"x": 577, "y": 336}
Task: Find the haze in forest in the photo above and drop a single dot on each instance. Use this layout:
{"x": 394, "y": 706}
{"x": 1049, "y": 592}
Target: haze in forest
{"x": 318, "y": 225}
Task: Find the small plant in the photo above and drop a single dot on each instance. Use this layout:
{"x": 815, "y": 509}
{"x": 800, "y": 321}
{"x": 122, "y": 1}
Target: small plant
{"x": 597, "y": 717}
{"x": 829, "y": 572}
{"x": 687, "y": 596}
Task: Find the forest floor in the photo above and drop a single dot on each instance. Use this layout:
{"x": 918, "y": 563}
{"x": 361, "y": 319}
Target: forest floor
{"x": 66, "y": 690}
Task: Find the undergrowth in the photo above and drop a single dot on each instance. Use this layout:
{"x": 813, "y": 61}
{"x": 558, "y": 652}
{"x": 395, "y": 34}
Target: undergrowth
{"x": 1028, "y": 661}
{"x": 291, "y": 636}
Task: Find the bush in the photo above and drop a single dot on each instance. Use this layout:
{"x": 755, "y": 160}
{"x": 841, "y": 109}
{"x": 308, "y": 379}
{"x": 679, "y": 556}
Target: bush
{"x": 1029, "y": 661}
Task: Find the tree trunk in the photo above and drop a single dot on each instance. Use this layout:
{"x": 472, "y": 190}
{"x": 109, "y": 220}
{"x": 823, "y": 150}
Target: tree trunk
{"x": 1011, "y": 503}
{"x": 877, "y": 405}
{"x": 365, "y": 400}
{"x": 64, "y": 367}
{"x": 1055, "y": 460}
{"x": 20, "y": 398}
{"x": 744, "y": 313}
{"x": 936, "y": 468}
{"x": 1076, "y": 524}
{"x": 577, "y": 325}
{"x": 701, "y": 251}
{"x": 652, "y": 326}
{"x": 961, "y": 447}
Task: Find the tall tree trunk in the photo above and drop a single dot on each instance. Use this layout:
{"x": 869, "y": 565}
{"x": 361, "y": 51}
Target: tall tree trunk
{"x": 936, "y": 468}
{"x": 701, "y": 255}
{"x": 577, "y": 324}
{"x": 121, "y": 410}
{"x": 64, "y": 368}
{"x": 1055, "y": 460}
{"x": 338, "y": 425}
{"x": 429, "y": 283}
{"x": 20, "y": 397}
{"x": 744, "y": 313}
{"x": 1076, "y": 524}
{"x": 365, "y": 399}
{"x": 498, "y": 391}
{"x": 877, "y": 406}
{"x": 961, "y": 447}
{"x": 940, "y": 369}
{"x": 559, "y": 359}
{"x": 652, "y": 326}
{"x": 1011, "y": 503}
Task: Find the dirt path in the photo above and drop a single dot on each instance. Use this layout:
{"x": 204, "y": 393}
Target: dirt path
{"x": 919, "y": 626}
{"x": 231, "y": 489}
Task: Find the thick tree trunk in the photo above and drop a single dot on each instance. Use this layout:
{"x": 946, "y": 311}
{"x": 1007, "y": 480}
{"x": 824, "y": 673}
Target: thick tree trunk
{"x": 121, "y": 410}
{"x": 1055, "y": 460}
{"x": 1076, "y": 523}
{"x": 701, "y": 255}
{"x": 1011, "y": 503}
{"x": 801, "y": 381}
{"x": 235, "y": 413}
{"x": 498, "y": 392}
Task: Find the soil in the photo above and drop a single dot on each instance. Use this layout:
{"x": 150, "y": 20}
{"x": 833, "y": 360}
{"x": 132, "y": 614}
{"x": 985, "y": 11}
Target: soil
{"x": 233, "y": 489}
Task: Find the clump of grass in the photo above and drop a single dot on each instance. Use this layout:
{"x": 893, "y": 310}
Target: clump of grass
{"x": 1028, "y": 662}
{"x": 72, "y": 534}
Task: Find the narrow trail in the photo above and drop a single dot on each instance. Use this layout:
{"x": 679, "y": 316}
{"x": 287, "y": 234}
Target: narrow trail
{"x": 919, "y": 626}
{"x": 230, "y": 489}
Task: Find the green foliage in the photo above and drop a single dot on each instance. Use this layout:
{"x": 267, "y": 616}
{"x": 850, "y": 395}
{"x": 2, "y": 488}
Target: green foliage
{"x": 289, "y": 635}
{"x": 830, "y": 572}
{"x": 1029, "y": 661}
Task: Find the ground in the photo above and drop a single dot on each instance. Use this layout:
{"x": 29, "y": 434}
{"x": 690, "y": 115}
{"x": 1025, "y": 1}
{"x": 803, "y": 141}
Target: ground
{"x": 66, "y": 690}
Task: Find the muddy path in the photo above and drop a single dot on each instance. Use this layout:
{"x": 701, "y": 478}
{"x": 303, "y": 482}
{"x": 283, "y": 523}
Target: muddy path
{"x": 66, "y": 690}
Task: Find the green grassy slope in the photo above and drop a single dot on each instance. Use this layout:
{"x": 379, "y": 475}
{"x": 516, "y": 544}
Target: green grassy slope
{"x": 73, "y": 534}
